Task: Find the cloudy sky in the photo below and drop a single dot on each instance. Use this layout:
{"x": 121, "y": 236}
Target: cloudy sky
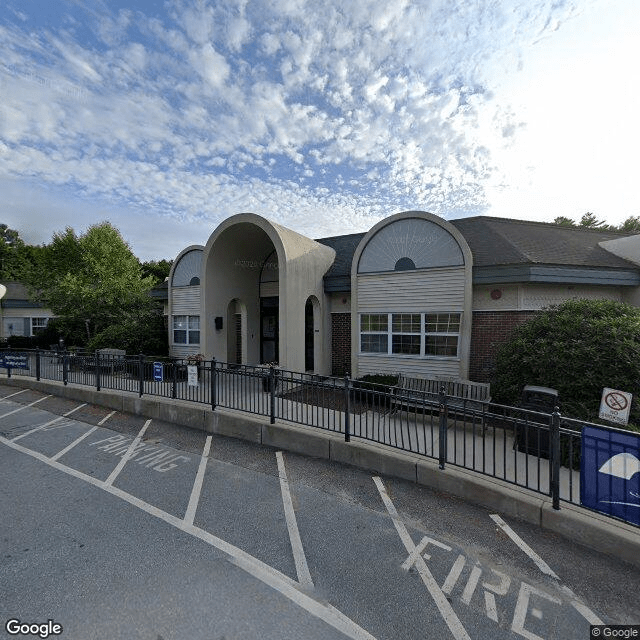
{"x": 167, "y": 117}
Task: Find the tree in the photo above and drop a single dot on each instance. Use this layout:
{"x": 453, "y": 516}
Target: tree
{"x": 158, "y": 269}
{"x": 92, "y": 280}
{"x": 630, "y": 225}
{"x": 564, "y": 221}
{"x": 578, "y": 348}
{"x": 12, "y": 254}
{"x": 590, "y": 221}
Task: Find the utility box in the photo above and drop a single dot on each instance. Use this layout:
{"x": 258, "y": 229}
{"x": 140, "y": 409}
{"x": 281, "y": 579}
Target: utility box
{"x": 532, "y": 432}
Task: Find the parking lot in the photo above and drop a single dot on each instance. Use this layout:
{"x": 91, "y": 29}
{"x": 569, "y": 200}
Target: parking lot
{"x": 116, "y": 526}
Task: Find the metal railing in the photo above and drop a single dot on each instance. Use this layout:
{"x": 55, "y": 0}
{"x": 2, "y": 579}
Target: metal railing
{"x": 537, "y": 451}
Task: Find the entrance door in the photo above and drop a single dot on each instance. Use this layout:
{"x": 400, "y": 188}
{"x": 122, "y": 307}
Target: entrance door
{"x": 269, "y": 335}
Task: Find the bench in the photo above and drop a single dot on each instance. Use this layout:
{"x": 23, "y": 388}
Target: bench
{"x": 112, "y": 360}
{"x": 461, "y": 394}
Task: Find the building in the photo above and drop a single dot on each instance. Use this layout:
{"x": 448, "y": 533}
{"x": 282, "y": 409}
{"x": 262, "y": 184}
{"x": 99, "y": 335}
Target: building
{"x": 415, "y": 294}
{"x": 19, "y": 314}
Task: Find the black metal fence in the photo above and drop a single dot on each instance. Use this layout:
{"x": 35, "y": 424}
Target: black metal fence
{"x": 538, "y": 451}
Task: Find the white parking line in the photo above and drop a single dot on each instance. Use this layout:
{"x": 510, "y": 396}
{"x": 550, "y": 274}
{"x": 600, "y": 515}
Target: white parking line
{"x": 268, "y": 575}
{"x": 304, "y": 576}
{"x": 105, "y": 418}
{"x": 539, "y": 562}
{"x": 444, "y": 606}
{"x": 577, "y": 604}
{"x": 12, "y": 394}
{"x": 26, "y": 406}
{"x": 127, "y": 455}
{"x": 197, "y": 485}
{"x": 48, "y": 424}
{"x": 73, "y": 444}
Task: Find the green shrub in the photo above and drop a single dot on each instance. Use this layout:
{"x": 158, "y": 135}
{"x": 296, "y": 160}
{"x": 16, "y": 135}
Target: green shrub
{"x": 578, "y": 348}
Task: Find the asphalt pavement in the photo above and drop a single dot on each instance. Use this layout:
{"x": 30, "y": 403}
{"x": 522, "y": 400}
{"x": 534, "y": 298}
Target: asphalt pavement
{"x": 115, "y": 526}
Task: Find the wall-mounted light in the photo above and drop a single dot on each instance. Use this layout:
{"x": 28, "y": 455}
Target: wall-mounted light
{"x": 218, "y": 323}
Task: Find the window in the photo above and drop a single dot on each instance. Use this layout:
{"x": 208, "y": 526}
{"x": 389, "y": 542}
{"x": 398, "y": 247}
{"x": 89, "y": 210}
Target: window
{"x": 405, "y": 337}
{"x": 414, "y": 334}
{"x": 405, "y": 264}
{"x": 441, "y": 330}
{"x": 38, "y": 325}
{"x": 186, "y": 329}
{"x": 374, "y": 328}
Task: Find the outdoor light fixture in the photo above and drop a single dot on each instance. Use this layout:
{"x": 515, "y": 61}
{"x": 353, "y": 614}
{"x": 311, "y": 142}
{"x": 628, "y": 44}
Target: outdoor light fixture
{"x": 218, "y": 323}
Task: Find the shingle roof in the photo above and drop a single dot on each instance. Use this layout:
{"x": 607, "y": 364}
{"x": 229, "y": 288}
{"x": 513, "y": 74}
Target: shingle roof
{"x": 16, "y": 291}
{"x": 502, "y": 241}
{"x": 345, "y": 247}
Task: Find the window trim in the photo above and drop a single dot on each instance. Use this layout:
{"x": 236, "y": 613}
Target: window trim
{"x": 423, "y": 333}
{"x": 33, "y": 328}
{"x": 188, "y": 330}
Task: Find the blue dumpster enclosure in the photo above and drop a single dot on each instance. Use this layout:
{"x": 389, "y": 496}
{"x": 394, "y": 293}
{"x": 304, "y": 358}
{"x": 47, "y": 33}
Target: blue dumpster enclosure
{"x": 610, "y": 473}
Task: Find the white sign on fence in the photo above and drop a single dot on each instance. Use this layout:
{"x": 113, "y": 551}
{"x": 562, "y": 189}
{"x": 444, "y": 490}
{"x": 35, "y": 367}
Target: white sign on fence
{"x": 192, "y": 375}
{"x": 615, "y": 406}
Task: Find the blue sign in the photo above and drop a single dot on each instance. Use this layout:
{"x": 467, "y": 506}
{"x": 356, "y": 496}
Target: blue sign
{"x": 610, "y": 473}
{"x": 14, "y": 361}
{"x": 157, "y": 371}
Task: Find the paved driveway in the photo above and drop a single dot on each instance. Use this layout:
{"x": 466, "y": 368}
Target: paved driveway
{"x": 119, "y": 527}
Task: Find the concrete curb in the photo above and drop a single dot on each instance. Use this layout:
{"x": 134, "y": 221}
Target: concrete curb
{"x": 573, "y": 522}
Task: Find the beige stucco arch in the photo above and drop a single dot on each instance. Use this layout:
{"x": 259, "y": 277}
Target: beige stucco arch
{"x": 232, "y": 259}
{"x": 388, "y": 288}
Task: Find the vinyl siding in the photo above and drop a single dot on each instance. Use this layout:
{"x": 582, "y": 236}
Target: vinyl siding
{"x": 183, "y": 350}
{"x": 417, "y": 367}
{"x": 185, "y": 301}
{"x": 421, "y": 290}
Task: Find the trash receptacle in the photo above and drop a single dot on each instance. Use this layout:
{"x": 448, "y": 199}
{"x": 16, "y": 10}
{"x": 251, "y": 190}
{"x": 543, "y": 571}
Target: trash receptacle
{"x": 532, "y": 435}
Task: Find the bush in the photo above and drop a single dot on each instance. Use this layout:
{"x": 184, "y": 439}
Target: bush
{"x": 578, "y": 348}
{"x": 373, "y": 389}
{"x": 21, "y": 342}
{"x": 144, "y": 334}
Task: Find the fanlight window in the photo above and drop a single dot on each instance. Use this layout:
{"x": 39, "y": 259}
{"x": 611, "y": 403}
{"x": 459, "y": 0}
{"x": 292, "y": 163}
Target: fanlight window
{"x": 405, "y": 264}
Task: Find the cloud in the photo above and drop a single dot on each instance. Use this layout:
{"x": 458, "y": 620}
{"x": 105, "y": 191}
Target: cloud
{"x": 279, "y": 106}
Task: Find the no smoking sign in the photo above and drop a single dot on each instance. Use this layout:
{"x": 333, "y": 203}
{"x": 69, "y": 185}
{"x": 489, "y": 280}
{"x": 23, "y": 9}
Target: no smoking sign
{"x": 615, "y": 406}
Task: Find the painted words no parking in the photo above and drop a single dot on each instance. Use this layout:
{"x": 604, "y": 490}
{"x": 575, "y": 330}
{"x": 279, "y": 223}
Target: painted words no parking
{"x": 151, "y": 456}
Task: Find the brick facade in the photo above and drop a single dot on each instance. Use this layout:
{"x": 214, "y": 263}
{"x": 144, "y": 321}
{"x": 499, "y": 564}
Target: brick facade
{"x": 491, "y": 329}
{"x": 340, "y": 344}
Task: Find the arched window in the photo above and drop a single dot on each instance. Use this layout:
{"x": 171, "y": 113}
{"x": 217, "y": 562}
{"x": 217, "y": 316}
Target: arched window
{"x": 194, "y": 281}
{"x": 405, "y": 264}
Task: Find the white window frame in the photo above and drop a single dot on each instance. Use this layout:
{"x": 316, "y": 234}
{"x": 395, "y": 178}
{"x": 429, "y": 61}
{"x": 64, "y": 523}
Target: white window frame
{"x": 423, "y": 333}
{"x": 38, "y": 328}
{"x": 187, "y": 321}
{"x": 374, "y": 332}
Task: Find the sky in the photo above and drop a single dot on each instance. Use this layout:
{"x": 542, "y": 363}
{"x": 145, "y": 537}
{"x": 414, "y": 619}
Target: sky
{"x": 165, "y": 118}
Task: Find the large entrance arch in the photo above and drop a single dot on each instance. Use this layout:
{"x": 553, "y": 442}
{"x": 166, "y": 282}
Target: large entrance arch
{"x": 273, "y": 271}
